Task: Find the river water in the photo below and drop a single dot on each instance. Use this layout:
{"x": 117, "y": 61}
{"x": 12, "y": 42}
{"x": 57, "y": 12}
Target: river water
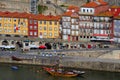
{"x": 28, "y": 72}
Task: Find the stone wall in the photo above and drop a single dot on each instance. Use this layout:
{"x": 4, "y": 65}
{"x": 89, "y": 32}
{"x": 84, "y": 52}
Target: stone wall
{"x": 82, "y": 61}
{"x": 15, "y": 5}
{"x": 102, "y": 66}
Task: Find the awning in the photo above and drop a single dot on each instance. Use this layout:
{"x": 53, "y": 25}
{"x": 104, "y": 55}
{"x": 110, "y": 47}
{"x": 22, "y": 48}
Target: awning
{"x": 42, "y": 47}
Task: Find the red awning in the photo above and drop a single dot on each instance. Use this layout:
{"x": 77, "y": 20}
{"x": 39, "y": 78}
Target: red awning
{"x": 42, "y": 47}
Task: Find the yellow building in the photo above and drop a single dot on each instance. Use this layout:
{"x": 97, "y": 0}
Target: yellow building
{"x": 48, "y": 26}
{"x": 16, "y": 24}
{"x": 13, "y": 23}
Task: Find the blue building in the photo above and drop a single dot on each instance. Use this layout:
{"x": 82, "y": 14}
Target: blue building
{"x": 117, "y": 29}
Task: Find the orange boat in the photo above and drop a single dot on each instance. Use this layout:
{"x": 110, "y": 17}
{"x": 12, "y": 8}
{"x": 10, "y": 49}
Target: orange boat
{"x": 60, "y": 72}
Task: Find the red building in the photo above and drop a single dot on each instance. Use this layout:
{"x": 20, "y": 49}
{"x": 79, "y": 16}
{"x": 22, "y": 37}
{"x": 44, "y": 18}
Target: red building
{"x": 115, "y": 10}
{"x": 32, "y": 26}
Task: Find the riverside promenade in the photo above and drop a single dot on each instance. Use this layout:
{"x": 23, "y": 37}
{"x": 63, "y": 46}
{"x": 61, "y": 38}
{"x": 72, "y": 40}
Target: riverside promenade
{"x": 104, "y": 60}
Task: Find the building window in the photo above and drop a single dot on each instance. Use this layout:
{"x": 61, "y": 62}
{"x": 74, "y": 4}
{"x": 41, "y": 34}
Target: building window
{"x": 9, "y": 25}
{"x": 35, "y": 27}
{"x": 19, "y": 31}
{"x": 14, "y": 19}
{"x": 9, "y": 19}
{"x": 45, "y": 34}
{"x": 24, "y": 24}
{"x": 31, "y": 33}
{"x": 50, "y": 34}
{"x": 30, "y": 27}
{"x": 87, "y": 36}
{"x": 50, "y": 22}
{"x": 55, "y": 34}
{"x": 44, "y": 28}
{"x": 0, "y": 30}
{"x": 35, "y": 33}
{"x": 83, "y": 10}
{"x": 55, "y": 23}
{"x": 40, "y": 33}
{"x": 84, "y": 36}
{"x": 24, "y": 31}
{"x": 40, "y": 27}
{"x": 55, "y": 29}
{"x": 40, "y": 22}
{"x": 0, "y": 18}
{"x": 5, "y": 25}
{"x": 87, "y": 10}
{"x": 91, "y": 11}
{"x": 30, "y": 21}
{"x": 44, "y": 22}
{"x": 50, "y": 28}
{"x": 35, "y": 21}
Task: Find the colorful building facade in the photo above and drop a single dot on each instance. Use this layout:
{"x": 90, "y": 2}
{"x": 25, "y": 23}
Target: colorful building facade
{"x": 32, "y": 26}
{"x": 87, "y": 15}
{"x": 70, "y": 24}
{"x": 29, "y": 25}
{"x": 117, "y": 29}
{"x": 103, "y": 26}
{"x": 48, "y": 26}
{"x": 13, "y": 24}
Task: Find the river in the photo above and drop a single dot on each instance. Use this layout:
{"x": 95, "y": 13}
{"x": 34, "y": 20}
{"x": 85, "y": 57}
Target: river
{"x": 28, "y": 72}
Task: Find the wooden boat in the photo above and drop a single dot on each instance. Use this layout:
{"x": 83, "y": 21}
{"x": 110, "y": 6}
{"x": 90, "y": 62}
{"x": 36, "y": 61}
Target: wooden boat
{"x": 16, "y": 58}
{"x": 60, "y": 72}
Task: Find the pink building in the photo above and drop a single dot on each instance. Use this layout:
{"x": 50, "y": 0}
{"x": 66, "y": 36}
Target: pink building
{"x": 70, "y": 24}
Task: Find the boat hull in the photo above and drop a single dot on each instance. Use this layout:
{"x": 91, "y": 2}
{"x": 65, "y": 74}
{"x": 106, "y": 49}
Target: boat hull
{"x": 60, "y": 74}
{"x": 16, "y": 59}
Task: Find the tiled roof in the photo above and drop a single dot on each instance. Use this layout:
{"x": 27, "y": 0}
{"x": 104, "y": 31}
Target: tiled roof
{"x": 28, "y": 15}
{"x": 6, "y": 14}
{"x": 24, "y": 15}
{"x": 51, "y": 17}
{"x": 68, "y": 13}
{"x": 91, "y": 4}
{"x": 106, "y": 13}
{"x": 94, "y": 4}
{"x": 75, "y": 8}
{"x": 71, "y": 14}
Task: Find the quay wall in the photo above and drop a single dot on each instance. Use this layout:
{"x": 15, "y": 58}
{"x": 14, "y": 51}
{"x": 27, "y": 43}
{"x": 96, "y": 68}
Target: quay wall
{"x": 91, "y": 62}
{"x": 93, "y": 65}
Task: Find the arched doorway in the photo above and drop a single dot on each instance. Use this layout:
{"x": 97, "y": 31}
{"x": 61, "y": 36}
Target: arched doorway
{"x": 5, "y": 42}
{"x": 48, "y": 45}
{"x": 19, "y": 44}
